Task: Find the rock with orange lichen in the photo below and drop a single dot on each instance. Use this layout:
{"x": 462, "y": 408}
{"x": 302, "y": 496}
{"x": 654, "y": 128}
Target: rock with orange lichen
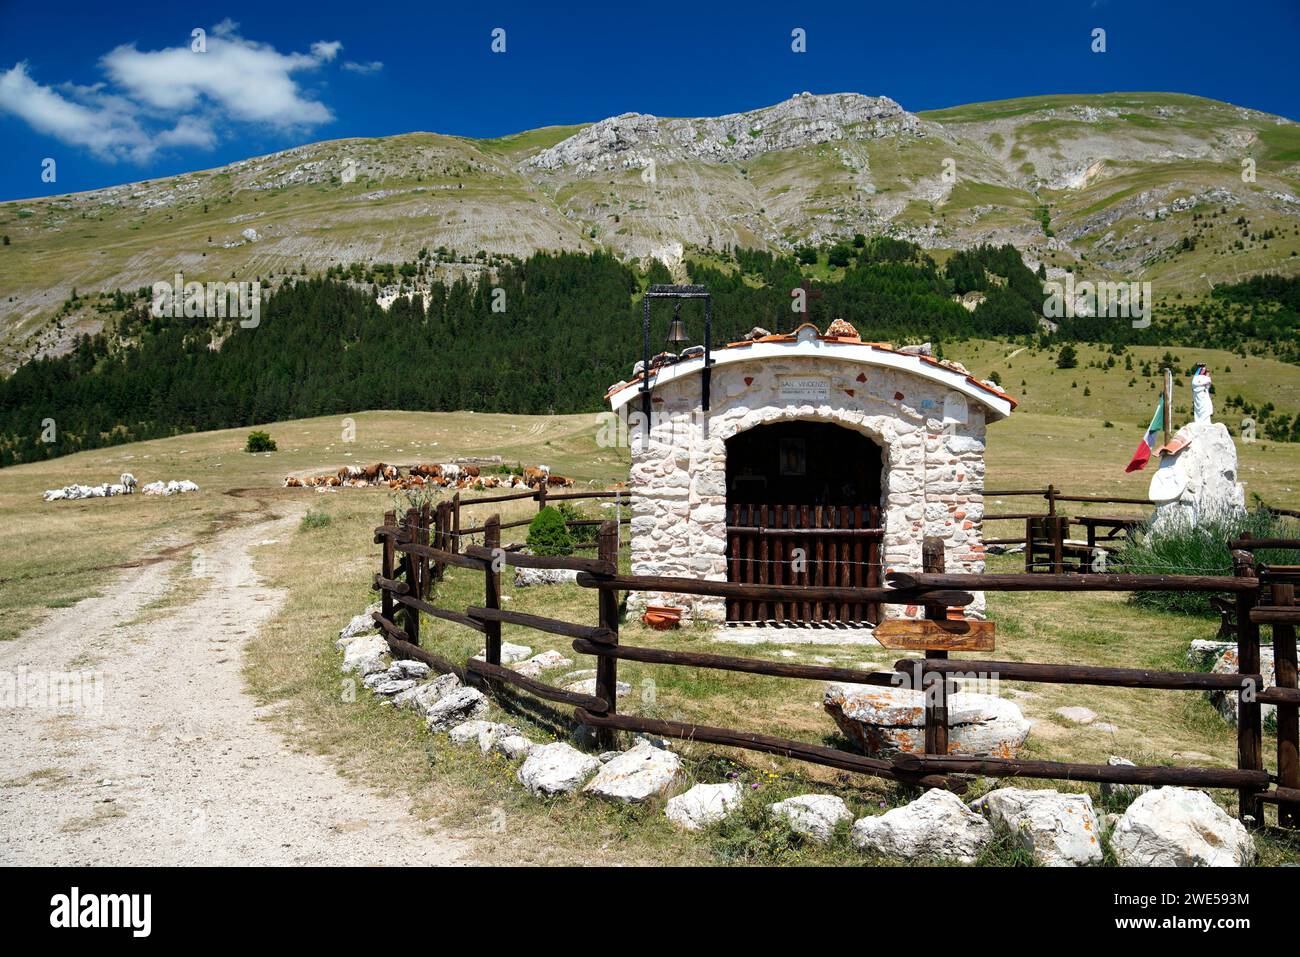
{"x": 885, "y": 721}
{"x": 1059, "y": 830}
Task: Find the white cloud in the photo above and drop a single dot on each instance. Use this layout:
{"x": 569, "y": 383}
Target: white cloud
{"x": 174, "y": 97}
{"x": 374, "y": 66}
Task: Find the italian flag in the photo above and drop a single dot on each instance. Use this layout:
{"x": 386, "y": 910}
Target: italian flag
{"x": 1143, "y": 453}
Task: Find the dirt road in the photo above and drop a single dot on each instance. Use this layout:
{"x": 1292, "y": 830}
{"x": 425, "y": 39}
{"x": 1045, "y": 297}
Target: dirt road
{"x": 175, "y": 767}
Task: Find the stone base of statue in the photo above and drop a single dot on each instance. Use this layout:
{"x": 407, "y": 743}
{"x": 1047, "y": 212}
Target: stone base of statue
{"x": 1198, "y": 484}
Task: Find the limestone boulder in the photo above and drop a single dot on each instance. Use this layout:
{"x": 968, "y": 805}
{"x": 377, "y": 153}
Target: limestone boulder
{"x": 1121, "y": 792}
{"x": 546, "y": 661}
{"x": 513, "y": 746}
{"x": 636, "y": 775}
{"x": 463, "y": 704}
{"x": 936, "y": 826}
{"x": 588, "y": 686}
{"x": 1059, "y": 830}
{"x": 361, "y": 624}
{"x": 530, "y": 577}
{"x": 556, "y": 768}
{"x": 1226, "y": 701}
{"x": 814, "y": 816}
{"x": 409, "y": 668}
{"x": 510, "y": 653}
{"x": 365, "y": 655}
{"x": 423, "y": 697}
{"x": 1180, "y": 827}
{"x": 885, "y": 721}
{"x": 470, "y": 731}
{"x": 704, "y": 804}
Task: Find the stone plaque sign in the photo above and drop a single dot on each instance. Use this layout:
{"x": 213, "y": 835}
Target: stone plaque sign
{"x": 804, "y": 388}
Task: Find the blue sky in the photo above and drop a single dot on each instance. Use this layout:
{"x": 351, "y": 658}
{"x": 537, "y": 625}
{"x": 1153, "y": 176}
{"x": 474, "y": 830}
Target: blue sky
{"x": 113, "y": 93}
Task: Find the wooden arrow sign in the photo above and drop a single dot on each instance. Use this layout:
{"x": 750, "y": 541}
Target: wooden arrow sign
{"x": 935, "y": 635}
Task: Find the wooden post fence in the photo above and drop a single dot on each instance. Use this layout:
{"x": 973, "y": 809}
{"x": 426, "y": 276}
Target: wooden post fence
{"x": 607, "y": 665}
{"x": 1288, "y": 728}
{"x": 492, "y": 590}
{"x": 936, "y": 694}
{"x": 1250, "y": 740}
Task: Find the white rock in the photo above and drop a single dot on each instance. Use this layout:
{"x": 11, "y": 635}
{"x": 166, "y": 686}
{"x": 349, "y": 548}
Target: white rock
{"x": 1059, "y": 830}
{"x": 461, "y": 705}
{"x": 636, "y": 775}
{"x": 513, "y": 746}
{"x": 390, "y": 686}
{"x": 556, "y": 768}
{"x": 1226, "y": 701}
{"x": 588, "y": 686}
{"x": 704, "y": 804}
{"x": 509, "y": 653}
{"x": 423, "y": 697}
{"x": 815, "y": 816}
{"x": 1180, "y": 827}
{"x": 1078, "y": 714}
{"x": 408, "y": 668}
{"x": 546, "y": 661}
{"x": 470, "y": 731}
{"x": 936, "y": 825}
{"x": 365, "y": 655}
{"x": 884, "y": 721}
{"x": 1110, "y": 790}
{"x": 359, "y": 625}
{"x": 528, "y": 577}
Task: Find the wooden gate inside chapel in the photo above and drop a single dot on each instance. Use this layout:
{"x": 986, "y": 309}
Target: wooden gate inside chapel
{"x": 803, "y": 508}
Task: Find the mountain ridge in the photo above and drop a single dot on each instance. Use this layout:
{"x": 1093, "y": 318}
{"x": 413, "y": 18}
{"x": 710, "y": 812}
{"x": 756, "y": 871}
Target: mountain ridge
{"x": 1118, "y": 184}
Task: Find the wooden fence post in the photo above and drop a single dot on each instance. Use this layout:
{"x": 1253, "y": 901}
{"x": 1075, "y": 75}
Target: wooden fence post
{"x": 607, "y": 665}
{"x": 1288, "y": 727}
{"x": 424, "y": 539}
{"x": 541, "y": 494}
{"x": 492, "y": 590}
{"x": 454, "y": 545}
{"x": 1250, "y": 742}
{"x": 410, "y": 533}
{"x": 386, "y": 564}
{"x": 936, "y": 696}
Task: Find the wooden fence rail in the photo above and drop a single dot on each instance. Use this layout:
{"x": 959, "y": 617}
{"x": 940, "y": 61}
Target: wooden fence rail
{"x": 1261, "y": 595}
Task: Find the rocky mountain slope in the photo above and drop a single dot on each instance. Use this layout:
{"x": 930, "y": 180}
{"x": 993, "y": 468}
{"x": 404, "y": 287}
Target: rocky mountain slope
{"x": 1134, "y": 186}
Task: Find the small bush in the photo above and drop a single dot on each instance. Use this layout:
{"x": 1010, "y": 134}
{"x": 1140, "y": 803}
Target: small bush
{"x": 579, "y": 534}
{"x": 1199, "y": 550}
{"x": 548, "y": 535}
{"x": 315, "y": 519}
{"x": 259, "y": 442}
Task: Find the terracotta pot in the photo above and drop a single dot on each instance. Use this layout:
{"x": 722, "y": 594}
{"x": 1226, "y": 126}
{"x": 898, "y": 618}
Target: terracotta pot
{"x": 662, "y": 617}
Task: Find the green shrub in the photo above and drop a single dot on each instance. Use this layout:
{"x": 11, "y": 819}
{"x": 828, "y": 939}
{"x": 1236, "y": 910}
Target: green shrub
{"x": 259, "y": 442}
{"x": 315, "y": 519}
{"x": 548, "y": 535}
{"x": 1199, "y": 550}
{"x": 579, "y": 534}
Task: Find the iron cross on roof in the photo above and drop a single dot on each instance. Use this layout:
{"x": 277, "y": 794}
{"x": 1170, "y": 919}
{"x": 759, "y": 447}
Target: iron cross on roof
{"x": 808, "y": 295}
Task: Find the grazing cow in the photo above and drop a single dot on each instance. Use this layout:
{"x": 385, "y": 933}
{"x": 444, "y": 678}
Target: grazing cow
{"x": 292, "y": 482}
{"x": 129, "y": 483}
{"x": 536, "y": 475}
{"x": 391, "y": 472}
{"x": 425, "y": 470}
{"x": 470, "y": 470}
{"x": 349, "y": 472}
{"x": 559, "y": 480}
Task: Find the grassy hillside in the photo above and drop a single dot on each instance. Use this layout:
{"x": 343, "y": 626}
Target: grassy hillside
{"x": 1122, "y": 179}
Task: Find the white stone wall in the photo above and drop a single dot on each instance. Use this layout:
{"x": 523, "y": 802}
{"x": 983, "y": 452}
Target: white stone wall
{"x": 932, "y": 482}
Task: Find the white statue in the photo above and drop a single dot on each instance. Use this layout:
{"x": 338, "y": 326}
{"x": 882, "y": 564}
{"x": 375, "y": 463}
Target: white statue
{"x": 1202, "y": 404}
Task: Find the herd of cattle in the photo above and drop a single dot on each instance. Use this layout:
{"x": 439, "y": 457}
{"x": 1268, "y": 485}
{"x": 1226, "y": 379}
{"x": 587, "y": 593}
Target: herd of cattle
{"x": 127, "y": 485}
{"x": 447, "y": 475}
